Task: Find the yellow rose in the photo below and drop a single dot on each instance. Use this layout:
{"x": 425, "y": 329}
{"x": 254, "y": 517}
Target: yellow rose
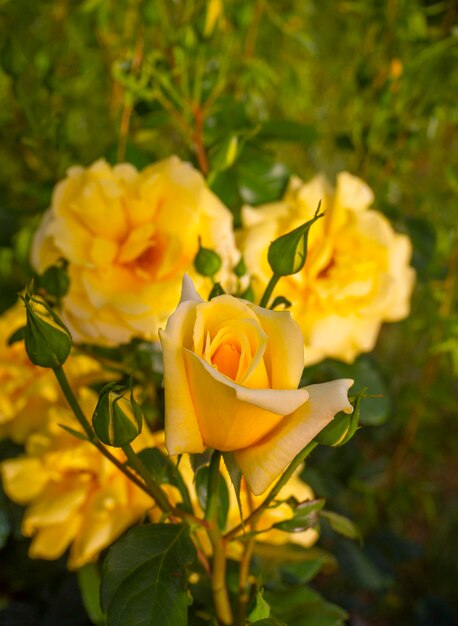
{"x": 75, "y": 497}
{"x": 29, "y": 391}
{"x": 128, "y": 237}
{"x": 357, "y": 273}
{"x": 231, "y": 372}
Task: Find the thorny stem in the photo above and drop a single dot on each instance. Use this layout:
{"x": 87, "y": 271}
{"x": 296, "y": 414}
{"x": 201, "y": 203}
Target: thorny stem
{"x": 219, "y": 587}
{"x": 298, "y": 459}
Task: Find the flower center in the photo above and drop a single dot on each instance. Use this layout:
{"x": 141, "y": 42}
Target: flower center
{"x": 226, "y": 359}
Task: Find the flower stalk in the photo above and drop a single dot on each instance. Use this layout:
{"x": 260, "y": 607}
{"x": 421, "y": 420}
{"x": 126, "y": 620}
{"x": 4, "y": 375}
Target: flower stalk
{"x": 219, "y": 586}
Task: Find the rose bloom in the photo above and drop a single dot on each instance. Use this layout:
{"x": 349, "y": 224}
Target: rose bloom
{"x": 75, "y": 497}
{"x": 128, "y": 237}
{"x": 29, "y": 391}
{"x": 357, "y": 273}
{"x": 231, "y": 372}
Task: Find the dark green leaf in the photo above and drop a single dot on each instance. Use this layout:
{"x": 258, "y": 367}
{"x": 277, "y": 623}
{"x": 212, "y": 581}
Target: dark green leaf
{"x": 288, "y": 130}
{"x": 164, "y": 470}
{"x": 144, "y": 577}
{"x": 89, "y": 582}
{"x": 280, "y": 300}
{"x": 18, "y": 335}
{"x": 75, "y": 433}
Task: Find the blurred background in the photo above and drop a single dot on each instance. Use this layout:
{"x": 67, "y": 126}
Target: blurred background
{"x": 366, "y": 86}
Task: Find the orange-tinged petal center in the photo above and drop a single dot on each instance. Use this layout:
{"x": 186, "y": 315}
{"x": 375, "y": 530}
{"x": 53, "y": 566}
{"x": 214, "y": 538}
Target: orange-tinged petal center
{"x": 226, "y": 359}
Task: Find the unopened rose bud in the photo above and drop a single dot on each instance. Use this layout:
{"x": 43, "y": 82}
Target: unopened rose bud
{"x": 117, "y": 418}
{"x": 342, "y": 428}
{"x": 287, "y": 254}
{"x": 207, "y": 262}
{"x": 47, "y": 340}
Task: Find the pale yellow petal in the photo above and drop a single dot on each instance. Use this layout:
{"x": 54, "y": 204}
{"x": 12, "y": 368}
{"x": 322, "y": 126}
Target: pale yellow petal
{"x": 50, "y": 542}
{"x": 23, "y": 478}
{"x": 182, "y": 428}
{"x": 263, "y": 462}
{"x": 231, "y": 416}
{"x": 284, "y": 355}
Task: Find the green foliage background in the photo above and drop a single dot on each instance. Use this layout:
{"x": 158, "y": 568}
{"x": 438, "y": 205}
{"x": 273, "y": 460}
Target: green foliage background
{"x": 366, "y": 85}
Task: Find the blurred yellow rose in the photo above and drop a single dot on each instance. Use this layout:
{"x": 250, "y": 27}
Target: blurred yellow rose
{"x": 29, "y": 391}
{"x": 75, "y": 497}
{"x": 231, "y": 372}
{"x": 128, "y": 237}
{"x": 357, "y": 273}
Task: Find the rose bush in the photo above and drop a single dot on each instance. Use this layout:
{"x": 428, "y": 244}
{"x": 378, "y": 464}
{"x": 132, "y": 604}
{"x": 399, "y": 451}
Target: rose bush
{"x": 75, "y": 498}
{"x": 128, "y": 237}
{"x": 231, "y": 372}
{"x": 357, "y": 272}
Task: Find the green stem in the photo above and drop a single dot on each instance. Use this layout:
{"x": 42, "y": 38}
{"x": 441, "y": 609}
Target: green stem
{"x": 269, "y": 289}
{"x": 156, "y": 491}
{"x": 219, "y": 587}
{"x": 298, "y": 459}
{"x": 211, "y": 508}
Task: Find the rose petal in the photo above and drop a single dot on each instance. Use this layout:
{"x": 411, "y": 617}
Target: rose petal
{"x": 182, "y": 428}
{"x": 262, "y": 463}
{"x": 284, "y": 367}
{"x": 188, "y": 291}
{"x": 232, "y": 416}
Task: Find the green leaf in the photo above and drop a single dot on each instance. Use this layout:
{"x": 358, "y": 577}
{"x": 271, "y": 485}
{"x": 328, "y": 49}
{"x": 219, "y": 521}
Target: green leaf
{"x": 342, "y": 525}
{"x": 216, "y": 290}
{"x": 288, "y": 130}
{"x": 144, "y": 577}
{"x": 75, "y": 433}
{"x": 89, "y": 582}
{"x": 259, "y": 609}
{"x": 280, "y": 300}
{"x": 301, "y": 573}
{"x": 240, "y": 269}
{"x": 223, "y": 494}
{"x": 18, "y": 335}
{"x": 223, "y": 154}
{"x": 164, "y": 470}
{"x": 288, "y": 253}
{"x": 260, "y": 179}
{"x": 302, "y": 606}
{"x": 270, "y": 621}
{"x": 305, "y": 515}
{"x": 55, "y": 280}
